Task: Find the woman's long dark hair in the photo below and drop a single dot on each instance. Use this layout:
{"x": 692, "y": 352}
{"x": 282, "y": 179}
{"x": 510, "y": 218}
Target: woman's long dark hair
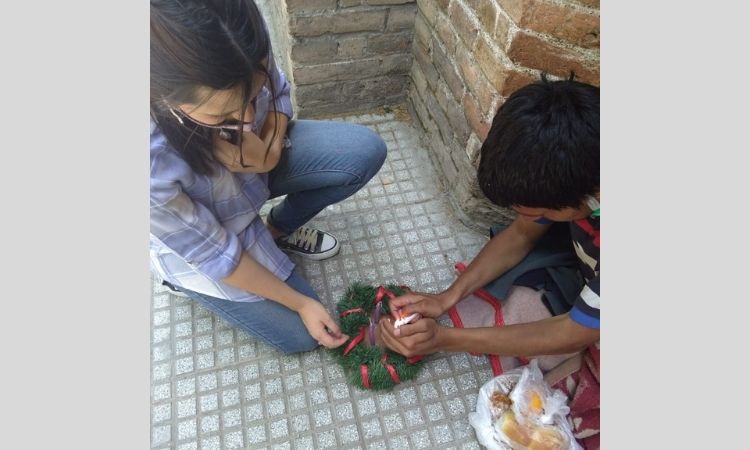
{"x": 219, "y": 44}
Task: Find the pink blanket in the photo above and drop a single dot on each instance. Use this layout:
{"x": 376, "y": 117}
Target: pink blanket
{"x": 575, "y": 374}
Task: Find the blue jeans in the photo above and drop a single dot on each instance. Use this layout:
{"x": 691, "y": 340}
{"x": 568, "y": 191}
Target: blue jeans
{"x": 327, "y": 162}
{"x": 266, "y": 320}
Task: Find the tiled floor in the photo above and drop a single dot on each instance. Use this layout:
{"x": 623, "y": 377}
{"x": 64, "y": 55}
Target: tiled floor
{"x": 216, "y": 388}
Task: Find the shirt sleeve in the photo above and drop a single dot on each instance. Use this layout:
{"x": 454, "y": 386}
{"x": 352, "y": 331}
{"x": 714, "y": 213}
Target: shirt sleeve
{"x": 585, "y": 310}
{"x": 281, "y": 85}
{"x": 187, "y": 228}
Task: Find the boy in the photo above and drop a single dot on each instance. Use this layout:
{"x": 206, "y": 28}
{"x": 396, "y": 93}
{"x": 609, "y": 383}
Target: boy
{"x": 540, "y": 158}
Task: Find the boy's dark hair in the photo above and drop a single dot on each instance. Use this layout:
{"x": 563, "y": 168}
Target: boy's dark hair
{"x": 542, "y": 150}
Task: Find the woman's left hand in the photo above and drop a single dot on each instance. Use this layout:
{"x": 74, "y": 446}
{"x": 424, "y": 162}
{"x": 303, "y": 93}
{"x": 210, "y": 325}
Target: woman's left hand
{"x": 320, "y": 325}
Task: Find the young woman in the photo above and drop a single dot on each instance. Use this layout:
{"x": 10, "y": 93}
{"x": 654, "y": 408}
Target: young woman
{"x": 222, "y": 143}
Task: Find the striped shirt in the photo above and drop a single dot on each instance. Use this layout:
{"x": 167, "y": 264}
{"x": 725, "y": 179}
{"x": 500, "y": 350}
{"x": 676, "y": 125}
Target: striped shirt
{"x": 586, "y": 241}
{"x": 200, "y": 225}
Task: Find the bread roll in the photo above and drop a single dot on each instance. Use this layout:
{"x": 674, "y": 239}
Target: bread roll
{"x": 548, "y": 438}
{"x": 532, "y": 437}
{"x": 514, "y": 430}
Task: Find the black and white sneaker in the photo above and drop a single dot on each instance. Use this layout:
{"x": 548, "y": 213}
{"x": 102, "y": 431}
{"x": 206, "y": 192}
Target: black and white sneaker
{"x": 310, "y": 243}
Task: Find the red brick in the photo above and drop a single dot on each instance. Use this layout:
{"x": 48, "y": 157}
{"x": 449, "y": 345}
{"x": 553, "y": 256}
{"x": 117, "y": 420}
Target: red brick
{"x": 317, "y": 92}
{"x": 487, "y": 13}
{"x": 428, "y": 67}
{"x": 382, "y": 44}
{"x": 401, "y": 18}
{"x": 447, "y": 68}
{"x": 465, "y": 27}
{"x": 353, "y": 70}
{"x": 388, "y": 2}
{"x": 350, "y": 21}
{"x": 306, "y": 6}
{"x": 418, "y": 79}
{"x": 422, "y": 32}
{"x": 500, "y": 79}
{"x": 467, "y": 67}
{"x": 473, "y": 147}
{"x": 351, "y": 47}
{"x": 514, "y": 8}
{"x": 454, "y": 113}
{"x": 490, "y": 62}
{"x": 474, "y": 117}
{"x": 574, "y": 25}
{"x": 310, "y": 25}
{"x": 428, "y": 9}
{"x": 475, "y": 80}
{"x": 373, "y": 88}
{"x": 591, "y": 3}
{"x": 502, "y": 29}
{"x": 315, "y": 50}
{"x": 446, "y": 33}
{"x": 438, "y": 115}
{"x": 531, "y": 52}
{"x": 442, "y": 5}
{"x": 516, "y": 80}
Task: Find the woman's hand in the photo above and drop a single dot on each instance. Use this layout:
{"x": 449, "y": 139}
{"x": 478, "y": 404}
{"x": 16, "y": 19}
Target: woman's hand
{"x": 320, "y": 325}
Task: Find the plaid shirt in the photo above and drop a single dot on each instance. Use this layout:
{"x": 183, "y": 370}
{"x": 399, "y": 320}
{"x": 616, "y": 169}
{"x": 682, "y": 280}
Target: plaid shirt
{"x": 201, "y": 224}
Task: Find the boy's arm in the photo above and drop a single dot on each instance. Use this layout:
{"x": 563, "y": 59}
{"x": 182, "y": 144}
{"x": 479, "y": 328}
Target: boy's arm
{"x": 555, "y": 335}
{"x": 499, "y": 255}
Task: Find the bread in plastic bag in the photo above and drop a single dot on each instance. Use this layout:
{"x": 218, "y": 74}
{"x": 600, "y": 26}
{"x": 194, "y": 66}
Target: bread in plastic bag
{"x": 518, "y": 411}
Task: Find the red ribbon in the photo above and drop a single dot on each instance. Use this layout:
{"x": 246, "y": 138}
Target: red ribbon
{"x": 414, "y": 359}
{"x": 382, "y": 290}
{"x": 351, "y": 311}
{"x": 365, "y": 378}
{"x": 391, "y": 370}
{"x": 355, "y": 341}
{"x": 379, "y": 297}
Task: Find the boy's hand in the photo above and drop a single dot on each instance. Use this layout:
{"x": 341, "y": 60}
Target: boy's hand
{"x": 418, "y": 338}
{"x": 320, "y": 325}
{"x": 428, "y": 305}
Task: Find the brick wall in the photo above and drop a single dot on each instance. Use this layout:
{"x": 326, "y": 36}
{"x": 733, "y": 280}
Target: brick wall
{"x": 276, "y": 17}
{"x": 454, "y": 62}
{"x": 349, "y": 55}
{"x": 470, "y": 55}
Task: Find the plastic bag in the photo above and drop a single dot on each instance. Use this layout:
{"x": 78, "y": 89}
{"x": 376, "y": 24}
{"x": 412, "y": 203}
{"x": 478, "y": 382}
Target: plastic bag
{"x": 518, "y": 411}
{"x": 534, "y": 401}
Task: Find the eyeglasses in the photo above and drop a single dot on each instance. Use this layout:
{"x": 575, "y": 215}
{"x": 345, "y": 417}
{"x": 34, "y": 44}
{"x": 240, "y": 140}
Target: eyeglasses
{"x": 236, "y": 125}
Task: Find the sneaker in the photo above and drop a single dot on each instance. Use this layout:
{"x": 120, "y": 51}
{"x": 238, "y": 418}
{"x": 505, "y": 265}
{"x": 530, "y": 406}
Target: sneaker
{"x": 310, "y": 243}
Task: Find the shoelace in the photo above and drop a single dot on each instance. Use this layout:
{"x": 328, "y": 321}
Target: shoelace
{"x": 304, "y": 237}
